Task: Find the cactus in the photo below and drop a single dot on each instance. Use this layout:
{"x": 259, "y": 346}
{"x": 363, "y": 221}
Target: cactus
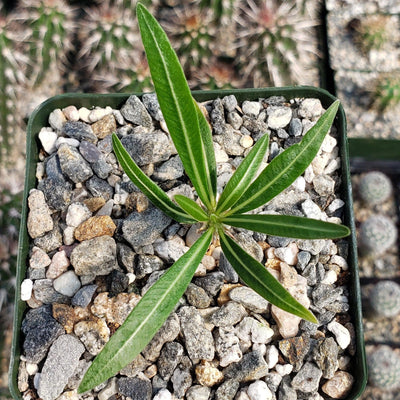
{"x": 50, "y": 38}
{"x": 385, "y": 299}
{"x": 386, "y": 92}
{"x": 192, "y": 34}
{"x": 375, "y": 188}
{"x": 222, "y": 9}
{"x": 374, "y": 32}
{"x": 384, "y": 368}
{"x": 275, "y": 40}
{"x": 377, "y": 234}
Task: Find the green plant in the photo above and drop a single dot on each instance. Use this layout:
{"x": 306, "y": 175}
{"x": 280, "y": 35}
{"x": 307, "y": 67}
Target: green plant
{"x": 386, "y": 92}
{"x": 384, "y": 368}
{"x": 192, "y": 137}
{"x": 385, "y": 299}
{"x": 375, "y": 188}
{"x": 377, "y": 234}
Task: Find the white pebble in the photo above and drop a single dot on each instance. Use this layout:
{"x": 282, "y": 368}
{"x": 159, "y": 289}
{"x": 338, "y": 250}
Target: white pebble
{"x": 284, "y": 369}
{"x": 299, "y": 184}
{"x": 335, "y": 205}
{"x": 163, "y": 394}
{"x": 332, "y": 166}
{"x": 340, "y": 261}
{"x": 288, "y": 254}
{"x": 330, "y": 277}
{"x": 220, "y": 154}
{"x": 251, "y": 108}
{"x": 310, "y": 209}
{"x": 76, "y": 214}
{"x": 26, "y": 289}
{"x": 67, "y": 283}
{"x": 71, "y": 112}
{"x": 242, "y": 395}
{"x": 328, "y": 144}
{"x": 70, "y": 141}
{"x": 31, "y": 368}
{"x": 259, "y": 390}
{"x": 131, "y": 277}
{"x": 57, "y": 119}
{"x": 272, "y": 356}
{"x": 68, "y": 235}
{"x": 48, "y": 139}
{"x": 341, "y": 333}
{"x": 246, "y": 141}
{"x": 84, "y": 114}
{"x": 99, "y": 113}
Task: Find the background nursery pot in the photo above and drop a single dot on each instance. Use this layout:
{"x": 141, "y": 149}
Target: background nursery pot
{"x": 39, "y": 119}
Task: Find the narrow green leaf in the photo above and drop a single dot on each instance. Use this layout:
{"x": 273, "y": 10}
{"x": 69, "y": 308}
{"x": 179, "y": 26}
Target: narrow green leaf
{"x": 255, "y": 275}
{"x": 155, "y": 194}
{"x": 191, "y": 207}
{"x": 177, "y": 105}
{"x": 288, "y": 226}
{"x": 243, "y": 176}
{"x": 287, "y": 166}
{"x": 147, "y": 317}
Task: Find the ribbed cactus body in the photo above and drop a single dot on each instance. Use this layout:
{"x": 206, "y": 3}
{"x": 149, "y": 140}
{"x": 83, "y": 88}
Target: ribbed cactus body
{"x": 385, "y": 299}
{"x": 386, "y": 93}
{"x": 377, "y": 234}
{"x": 384, "y": 368}
{"x": 375, "y": 188}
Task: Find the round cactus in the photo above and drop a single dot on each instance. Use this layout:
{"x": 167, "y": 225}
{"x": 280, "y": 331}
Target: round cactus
{"x": 375, "y": 188}
{"x": 385, "y": 299}
{"x": 384, "y": 368}
{"x": 386, "y": 93}
{"x": 377, "y": 234}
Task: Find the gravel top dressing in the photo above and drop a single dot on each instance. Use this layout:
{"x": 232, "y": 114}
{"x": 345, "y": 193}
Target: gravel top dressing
{"x": 98, "y": 244}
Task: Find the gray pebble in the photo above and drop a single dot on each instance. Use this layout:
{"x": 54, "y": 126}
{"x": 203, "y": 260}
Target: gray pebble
{"x": 150, "y": 101}
{"x": 169, "y": 359}
{"x": 227, "y": 390}
{"x": 228, "y": 314}
{"x": 251, "y": 367}
{"x": 137, "y": 388}
{"x": 134, "y": 111}
{"x": 57, "y": 192}
{"x": 249, "y": 299}
{"x": 169, "y": 170}
{"x": 197, "y": 296}
{"x": 99, "y": 188}
{"x": 198, "y": 392}
{"x": 211, "y": 283}
{"x": 303, "y": 258}
{"x": 230, "y": 103}
{"x": 50, "y": 241}
{"x": 307, "y": 379}
{"x": 217, "y": 117}
{"x": 60, "y": 365}
{"x": 80, "y": 131}
{"x": 147, "y": 264}
{"x": 326, "y": 356}
{"x": 84, "y": 296}
{"x": 295, "y": 127}
{"x": 229, "y": 273}
{"x": 73, "y": 164}
{"x": 44, "y": 291}
{"x": 181, "y": 381}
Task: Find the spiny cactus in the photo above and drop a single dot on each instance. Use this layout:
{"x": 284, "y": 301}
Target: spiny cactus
{"x": 386, "y": 92}
{"x": 222, "y": 9}
{"x": 374, "y": 32}
{"x": 12, "y": 69}
{"x": 275, "y": 39}
{"x": 375, "y": 188}
{"x": 385, "y": 299}
{"x": 377, "y": 234}
{"x": 51, "y": 29}
{"x": 384, "y": 368}
{"x": 192, "y": 34}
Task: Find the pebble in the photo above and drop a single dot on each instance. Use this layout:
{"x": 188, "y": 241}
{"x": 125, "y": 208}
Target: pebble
{"x": 181, "y": 381}
{"x": 26, "y": 289}
{"x": 295, "y": 349}
{"x": 251, "y": 108}
{"x": 229, "y": 273}
{"x": 326, "y": 356}
{"x": 48, "y": 140}
{"x": 98, "y": 113}
{"x": 208, "y": 375}
{"x": 310, "y": 109}
{"x": 249, "y": 299}
{"x": 137, "y": 388}
{"x": 341, "y": 333}
{"x": 279, "y": 117}
{"x": 79, "y": 130}
{"x": 57, "y": 119}
{"x": 308, "y": 378}
{"x": 227, "y": 346}
{"x": 163, "y": 394}
{"x": 198, "y": 340}
{"x": 104, "y": 126}
{"x": 170, "y": 250}
{"x": 259, "y": 390}
{"x": 59, "y": 264}
{"x": 227, "y": 390}
{"x": 110, "y": 390}
{"x": 228, "y": 314}
{"x": 76, "y": 214}
{"x": 197, "y": 296}
{"x": 73, "y": 165}
{"x": 311, "y": 210}
{"x": 95, "y": 256}
{"x": 339, "y": 386}
{"x": 60, "y": 365}
{"x": 39, "y": 259}
{"x": 71, "y": 113}
{"x": 67, "y": 283}
{"x": 94, "y": 334}
{"x": 284, "y": 369}
{"x": 251, "y": 330}
{"x": 252, "y": 366}
{"x": 271, "y": 356}
{"x": 170, "y": 356}
{"x": 324, "y": 185}
{"x": 134, "y": 111}
{"x": 211, "y": 283}
{"x": 230, "y": 103}
{"x": 44, "y": 291}
{"x": 39, "y": 219}
{"x": 93, "y": 227}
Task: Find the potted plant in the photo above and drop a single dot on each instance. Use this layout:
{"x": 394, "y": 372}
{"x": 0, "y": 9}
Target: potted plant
{"x": 191, "y": 136}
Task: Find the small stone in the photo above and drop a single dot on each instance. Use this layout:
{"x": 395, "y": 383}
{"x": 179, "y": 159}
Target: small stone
{"x": 227, "y": 390}
{"x": 272, "y": 356}
{"x": 83, "y": 296}
{"x": 39, "y": 219}
{"x": 249, "y": 299}
{"x": 94, "y": 334}
{"x": 227, "y": 347}
{"x": 96, "y": 226}
{"x": 251, "y": 108}
{"x": 310, "y": 109}
{"x": 170, "y": 250}
{"x": 286, "y": 392}
{"x": 339, "y": 386}
{"x": 341, "y": 333}
{"x": 134, "y": 368}
{"x": 288, "y": 254}
{"x": 311, "y": 210}
{"x": 259, "y": 390}
{"x": 251, "y": 367}
{"x": 279, "y": 117}
{"x": 170, "y": 357}
{"x": 198, "y": 340}
{"x": 73, "y": 164}
{"x": 99, "y": 113}
{"x": 95, "y": 256}
{"x": 169, "y": 170}
{"x": 67, "y": 283}
{"x": 50, "y": 241}
{"x": 167, "y": 333}
{"x": 288, "y": 275}
{"x": 324, "y": 185}
{"x": 39, "y": 258}
{"x": 228, "y": 315}
{"x": 79, "y": 130}
{"x": 76, "y": 214}
{"x": 71, "y": 113}
{"x": 134, "y": 111}
{"x": 295, "y": 127}
{"x": 48, "y": 139}
{"x": 163, "y": 394}
{"x": 208, "y": 375}
{"x": 284, "y": 369}
{"x": 93, "y": 204}
{"x": 181, "y": 381}
{"x": 326, "y": 357}
{"x": 59, "y": 264}
{"x": 197, "y": 296}
{"x": 230, "y": 103}
{"x": 66, "y": 316}
{"x": 60, "y": 365}
{"x": 105, "y": 126}
{"x": 26, "y": 289}
{"x": 57, "y": 119}
{"x": 307, "y": 379}
{"x": 44, "y": 291}
{"x": 211, "y": 283}
{"x": 225, "y": 266}
{"x": 137, "y": 388}
{"x": 110, "y": 390}
{"x": 252, "y": 331}
{"x": 328, "y": 144}
{"x": 295, "y": 349}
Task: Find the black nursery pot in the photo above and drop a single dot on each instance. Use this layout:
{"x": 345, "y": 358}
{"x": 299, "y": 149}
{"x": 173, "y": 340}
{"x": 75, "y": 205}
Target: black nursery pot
{"x": 39, "y": 119}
